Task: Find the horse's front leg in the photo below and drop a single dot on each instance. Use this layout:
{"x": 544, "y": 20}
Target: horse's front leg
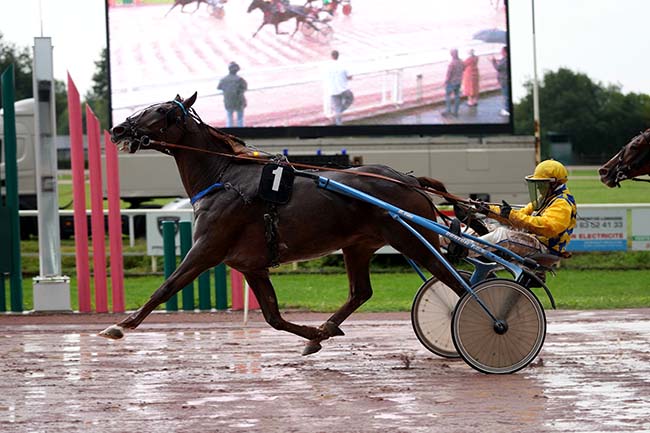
{"x": 277, "y": 30}
{"x": 297, "y": 27}
{"x": 194, "y": 264}
{"x": 261, "y": 285}
{"x": 258, "y": 29}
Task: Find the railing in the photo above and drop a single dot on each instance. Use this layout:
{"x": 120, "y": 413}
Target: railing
{"x": 589, "y": 216}
{"x": 379, "y": 86}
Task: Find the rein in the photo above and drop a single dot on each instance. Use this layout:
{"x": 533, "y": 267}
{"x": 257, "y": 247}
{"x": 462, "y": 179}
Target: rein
{"x": 254, "y": 157}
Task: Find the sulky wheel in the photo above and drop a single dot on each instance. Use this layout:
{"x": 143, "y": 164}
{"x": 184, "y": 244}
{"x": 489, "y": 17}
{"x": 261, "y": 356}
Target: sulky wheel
{"x": 431, "y": 314}
{"x": 307, "y": 28}
{"x": 325, "y": 33}
{"x": 510, "y": 343}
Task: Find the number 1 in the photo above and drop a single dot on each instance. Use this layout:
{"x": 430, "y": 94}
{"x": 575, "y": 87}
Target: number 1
{"x": 277, "y": 177}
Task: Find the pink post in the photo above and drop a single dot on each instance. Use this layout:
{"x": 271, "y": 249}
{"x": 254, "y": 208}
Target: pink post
{"x": 114, "y": 223}
{"x": 237, "y": 288}
{"x": 79, "y": 193}
{"x": 97, "y": 211}
{"x": 252, "y": 300}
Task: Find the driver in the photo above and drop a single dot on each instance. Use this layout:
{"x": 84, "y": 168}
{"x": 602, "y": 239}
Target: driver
{"x": 545, "y": 224}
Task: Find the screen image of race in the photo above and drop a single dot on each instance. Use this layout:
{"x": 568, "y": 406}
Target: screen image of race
{"x": 412, "y": 62}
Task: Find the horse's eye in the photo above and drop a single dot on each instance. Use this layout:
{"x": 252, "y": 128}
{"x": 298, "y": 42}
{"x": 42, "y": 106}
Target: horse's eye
{"x": 160, "y": 110}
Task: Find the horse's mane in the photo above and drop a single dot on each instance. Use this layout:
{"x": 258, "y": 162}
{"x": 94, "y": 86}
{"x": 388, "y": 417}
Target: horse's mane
{"x": 236, "y": 144}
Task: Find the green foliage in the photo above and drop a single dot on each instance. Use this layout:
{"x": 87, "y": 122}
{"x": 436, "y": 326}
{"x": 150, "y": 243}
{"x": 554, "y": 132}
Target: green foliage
{"x": 21, "y": 58}
{"x": 599, "y": 119}
{"x": 98, "y": 96}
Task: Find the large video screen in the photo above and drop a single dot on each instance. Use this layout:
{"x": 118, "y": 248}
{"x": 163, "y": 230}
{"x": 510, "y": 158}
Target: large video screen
{"x": 324, "y": 67}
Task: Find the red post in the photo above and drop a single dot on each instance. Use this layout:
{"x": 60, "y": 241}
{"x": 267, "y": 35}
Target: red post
{"x": 77, "y": 160}
{"x": 114, "y": 223}
{"x": 237, "y": 288}
{"x": 97, "y": 210}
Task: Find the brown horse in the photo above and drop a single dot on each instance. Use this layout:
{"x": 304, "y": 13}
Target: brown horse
{"x": 183, "y": 3}
{"x": 237, "y": 227}
{"x": 631, "y": 161}
{"x": 275, "y": 17}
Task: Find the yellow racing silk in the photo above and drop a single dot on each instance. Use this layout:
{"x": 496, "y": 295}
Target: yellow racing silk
{"x": 553, "y": 223}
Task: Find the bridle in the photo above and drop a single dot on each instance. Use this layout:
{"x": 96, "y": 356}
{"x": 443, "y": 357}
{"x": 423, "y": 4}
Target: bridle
{"x": 139, "y": 140}
{"x": 622, "y": 169}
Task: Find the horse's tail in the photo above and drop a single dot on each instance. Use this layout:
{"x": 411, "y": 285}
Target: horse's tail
{"x": 461, "y": 209}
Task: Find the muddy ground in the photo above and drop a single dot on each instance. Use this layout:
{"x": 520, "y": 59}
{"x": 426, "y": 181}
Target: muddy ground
{"x": 207, "y": 373}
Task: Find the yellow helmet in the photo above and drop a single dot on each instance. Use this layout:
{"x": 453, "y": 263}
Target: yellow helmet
{"x": 547, "y": 177}
{"x": 550, "y": 170}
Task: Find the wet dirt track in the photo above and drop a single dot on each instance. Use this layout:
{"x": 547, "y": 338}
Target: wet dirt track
{"x": 209, "y": 374}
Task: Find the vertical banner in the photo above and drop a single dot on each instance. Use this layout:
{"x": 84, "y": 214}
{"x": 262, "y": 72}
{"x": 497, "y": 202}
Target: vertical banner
{"x": 641, "y": 229}
{"x": 600, "y": 229}
{"x": 77, "y": 161}
{"x": 114, "y": 224}
{"x": 97, "y": 211}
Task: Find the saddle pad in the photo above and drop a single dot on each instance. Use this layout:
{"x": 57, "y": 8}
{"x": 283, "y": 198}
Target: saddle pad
{"x": 276, "y": 183}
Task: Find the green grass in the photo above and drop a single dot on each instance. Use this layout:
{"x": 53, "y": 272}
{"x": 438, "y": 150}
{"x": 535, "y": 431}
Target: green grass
{"x": 571, "y": 288}
{"x": 586, "y": 281}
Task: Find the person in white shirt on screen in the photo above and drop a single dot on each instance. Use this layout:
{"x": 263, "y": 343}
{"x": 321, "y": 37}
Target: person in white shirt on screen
{"x": 336, "y": 86}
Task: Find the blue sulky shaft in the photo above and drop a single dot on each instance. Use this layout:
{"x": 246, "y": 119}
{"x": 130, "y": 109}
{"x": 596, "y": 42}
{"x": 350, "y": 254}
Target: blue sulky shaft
{"x": 405, "y": 218}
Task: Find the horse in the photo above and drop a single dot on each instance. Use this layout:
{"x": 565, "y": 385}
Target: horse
{"x": 275, "y": 17}
{"x": 631, "y": 161}
{"x": 235, "y": 226}
{"x": 184, "y": 3}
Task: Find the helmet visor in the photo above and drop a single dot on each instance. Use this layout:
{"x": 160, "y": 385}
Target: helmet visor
{"x": 538, "y": 190}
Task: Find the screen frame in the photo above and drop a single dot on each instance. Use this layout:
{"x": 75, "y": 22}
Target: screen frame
{"x": 312, "y": 132}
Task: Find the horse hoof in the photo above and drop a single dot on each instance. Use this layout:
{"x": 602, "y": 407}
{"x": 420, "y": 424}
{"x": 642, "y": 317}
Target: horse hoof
{"x": 311, "y": 348}
{"x": 113, "y": 332}
{"x": 332, "y": 329}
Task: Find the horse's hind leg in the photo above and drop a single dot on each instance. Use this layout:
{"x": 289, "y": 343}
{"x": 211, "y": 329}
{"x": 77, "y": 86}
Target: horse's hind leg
{"x": 261, "y": 285}
{"x": 357, "y": 265}
{"x": 407, "y": 244}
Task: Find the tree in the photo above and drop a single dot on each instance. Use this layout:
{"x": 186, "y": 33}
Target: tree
{"x": 22, "y": 60}
{"x": 98, "y": 96}
{"x": 599, "y": 119}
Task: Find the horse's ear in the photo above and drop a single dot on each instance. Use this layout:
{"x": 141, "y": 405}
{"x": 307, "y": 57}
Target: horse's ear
{"x": 178, "y": 98}
{"x": 190, "y": 101}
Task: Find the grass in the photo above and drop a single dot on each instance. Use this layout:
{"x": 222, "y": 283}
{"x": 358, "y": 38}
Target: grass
{"x": 587, "y": 281}
{"x": 571, "y": 288}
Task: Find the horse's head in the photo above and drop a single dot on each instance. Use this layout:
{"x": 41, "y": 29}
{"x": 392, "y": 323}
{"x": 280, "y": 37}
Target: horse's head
{"x": 160, "y": 123}
{"x": 255, "y": 4}
{"x": 631, "y": 161}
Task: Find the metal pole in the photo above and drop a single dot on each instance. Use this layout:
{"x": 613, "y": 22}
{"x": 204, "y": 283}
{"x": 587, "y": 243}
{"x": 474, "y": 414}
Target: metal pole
{"x": 538, "y": 138}
{"x": 51, "y": 288}
{"x": 11, "y": 182}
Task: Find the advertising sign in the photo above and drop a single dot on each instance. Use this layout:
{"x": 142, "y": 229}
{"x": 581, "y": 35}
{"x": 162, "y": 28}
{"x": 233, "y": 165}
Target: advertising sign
{"x": 600, "y": 229}
{"x": 641, "y": 229}
{"x": 154, "y": 230}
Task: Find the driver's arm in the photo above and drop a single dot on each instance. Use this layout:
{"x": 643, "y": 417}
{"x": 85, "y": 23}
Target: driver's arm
{"x": 554, "y": 220}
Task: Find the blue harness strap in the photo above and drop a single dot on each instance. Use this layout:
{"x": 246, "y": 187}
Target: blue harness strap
{"x": 182, "y": 107}
{"x": 198, "y": 196}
